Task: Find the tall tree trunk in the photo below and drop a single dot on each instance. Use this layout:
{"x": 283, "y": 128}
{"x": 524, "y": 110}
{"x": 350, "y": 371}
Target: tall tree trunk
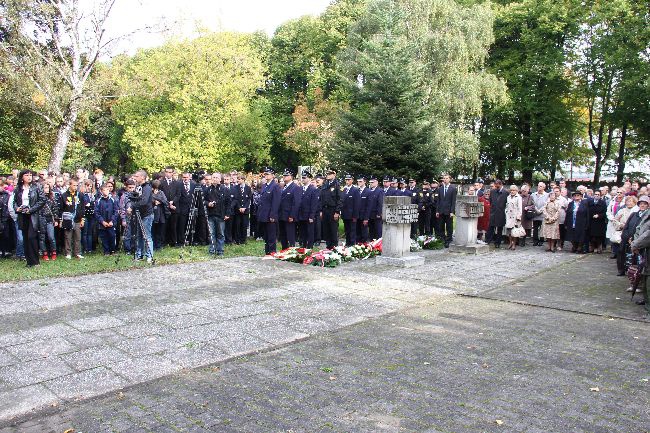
{"x": 620, "y": 169}
{"x": 63, "y": 138}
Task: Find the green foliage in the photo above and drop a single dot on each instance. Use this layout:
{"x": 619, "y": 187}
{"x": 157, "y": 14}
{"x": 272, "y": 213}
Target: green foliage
{"x": 192, "y": 103}
{"x": 420, "y": 63}
{"x": 539, "y": 126}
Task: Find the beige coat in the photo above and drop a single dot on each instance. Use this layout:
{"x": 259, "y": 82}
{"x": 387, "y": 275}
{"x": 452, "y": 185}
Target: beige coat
{"x": 551, "y": 225}
{"x": 513, "y": 211}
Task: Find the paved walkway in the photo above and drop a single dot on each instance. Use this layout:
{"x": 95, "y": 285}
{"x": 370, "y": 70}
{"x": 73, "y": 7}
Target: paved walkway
{"x": 383, "y": 349}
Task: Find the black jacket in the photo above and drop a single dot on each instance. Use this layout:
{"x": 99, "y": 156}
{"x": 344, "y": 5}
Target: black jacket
{"x": 498, "y": 201}
{"x": 446, "y": 203}
{"x": 36, "y": 202}
{"x": 330, "y": 196}
{"x": 240, "y": 200}
{"x": 73, "y": 203}
{"x": 172, "y": 191}
{"x": 185, "y": 198}
{"x": 143, "y": 201}
{"x": 220, "y": 195}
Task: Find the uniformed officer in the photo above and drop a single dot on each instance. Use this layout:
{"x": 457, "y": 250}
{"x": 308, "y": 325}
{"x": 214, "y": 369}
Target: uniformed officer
{"x": 364, "y": 210}
{"x": 307, "y": 211}
{"x": 424, "y": 209}
{"x": 414, "y": 193}
{"x": 351, "y": 200}
{"x": 289, "y": 208}
{"x": 401, "y": 187}
{"x": 267, "y": 213}
{"x": 318, "y": 223}
{"x": 330, "y": 200}
{"x": 375, "y": 208}
{"x": 387, "y": 188}
{"x": 434, "y": 228}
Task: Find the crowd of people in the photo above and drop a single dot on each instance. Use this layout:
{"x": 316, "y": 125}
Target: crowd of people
{"x": 44, "y": 215}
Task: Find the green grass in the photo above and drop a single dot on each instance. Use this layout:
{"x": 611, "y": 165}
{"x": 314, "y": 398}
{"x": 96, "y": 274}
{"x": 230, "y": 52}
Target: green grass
{"x": 15, "y": 270}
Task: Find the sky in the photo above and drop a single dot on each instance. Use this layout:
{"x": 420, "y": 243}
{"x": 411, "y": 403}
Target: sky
{"x": 185, "y": 17}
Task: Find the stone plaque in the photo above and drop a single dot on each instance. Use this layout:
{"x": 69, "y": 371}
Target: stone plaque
{"x": 401, "y": 214}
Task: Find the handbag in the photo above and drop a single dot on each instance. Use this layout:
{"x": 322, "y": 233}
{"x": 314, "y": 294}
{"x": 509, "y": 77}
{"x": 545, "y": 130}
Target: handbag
{"x": 530, "y": 212}
{"x": 518, "y": 232}
{"x": 616, "y": 236}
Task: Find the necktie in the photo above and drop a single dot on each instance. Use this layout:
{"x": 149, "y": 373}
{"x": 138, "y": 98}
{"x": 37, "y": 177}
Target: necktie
{"x": 187, "y": 187}
{"x": 445, "y": 194}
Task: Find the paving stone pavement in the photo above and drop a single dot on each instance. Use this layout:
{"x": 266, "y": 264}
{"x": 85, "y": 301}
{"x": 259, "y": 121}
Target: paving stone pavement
{"x": 74, "y": 338}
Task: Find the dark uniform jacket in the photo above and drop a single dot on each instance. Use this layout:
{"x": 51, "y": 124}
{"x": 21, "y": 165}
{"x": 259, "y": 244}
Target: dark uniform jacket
{"x": 269, "y": 202}
{"x": 376, "y": 203}
{"x": 425, "y": 200}
{"x": 414, "y": 194}
{"x": 365, "y": 203}
{"x": 390, "y": 191}
{"x": 350, "y": 203}
{"x": 309, "y": 204}
{"x": 290, "y": 202}
{"x": 330, "y": 196}
{"x": 72, "y": 203}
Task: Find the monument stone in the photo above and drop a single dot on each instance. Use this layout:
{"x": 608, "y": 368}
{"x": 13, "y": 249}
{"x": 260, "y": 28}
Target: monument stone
{"x": 468, "y": 210}
{"x": 398, "y": 215}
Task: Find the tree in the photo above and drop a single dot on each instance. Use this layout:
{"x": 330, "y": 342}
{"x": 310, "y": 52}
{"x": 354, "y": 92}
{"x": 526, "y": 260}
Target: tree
{"x": 50, "y": 49}
{"x": 312, "y": 133}
{"x": 192, "y": 103}
{"x": 538, "y": 128}
{"x": 610, "y": 63}
{"x": 387, "y": 128}
{"x": 421, "y": 86}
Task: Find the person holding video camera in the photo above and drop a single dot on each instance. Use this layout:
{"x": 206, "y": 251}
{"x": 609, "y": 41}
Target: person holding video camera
{"x": 142, "y": 202}
{"x": 28, "y": 201}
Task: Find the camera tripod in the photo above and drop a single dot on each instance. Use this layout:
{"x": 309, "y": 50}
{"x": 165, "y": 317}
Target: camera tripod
{"x": 190, "y": 230}
{"x": 136, "y": 224}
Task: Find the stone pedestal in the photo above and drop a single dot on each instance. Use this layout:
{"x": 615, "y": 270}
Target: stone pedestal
{"x": 397, "y": 216}
{"x": 468, "y": 209}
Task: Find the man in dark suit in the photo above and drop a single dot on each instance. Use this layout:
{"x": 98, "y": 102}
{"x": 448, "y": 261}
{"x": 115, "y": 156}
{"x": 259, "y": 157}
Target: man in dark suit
{"x": 228, "y": 183}
{"x": 289, "y": 207}
{"x": 172, "y": 190}
{"x": 363, "y": 222}
{"x": 307, "y": 211}
{"x": 318, "y": 182}
{"x": 445, "y": 208}
{"x": 350, "y": 203}
{"x": 435, "y": 221}
{"x": 375, "y": 208}
{"x": 243, "y": 196}
{"x": 267, "y": 213}
{"x": 185, "y": 196}
{"x": 498, "y": 201}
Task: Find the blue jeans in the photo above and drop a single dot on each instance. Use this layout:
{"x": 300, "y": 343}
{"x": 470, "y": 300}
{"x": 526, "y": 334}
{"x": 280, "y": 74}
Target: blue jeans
{"x": 87, "y": 235}
{"x": 147, "y": 222}
{"x": 46, "y": 238}
{"x": 126, "y": 237}
{"x": 20, "y": 250}
{"x": 217, "y": 229}
{"x": 107, "y": 235}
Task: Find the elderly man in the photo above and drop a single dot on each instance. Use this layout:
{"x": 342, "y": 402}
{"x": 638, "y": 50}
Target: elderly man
{"x": 539, "y": 199}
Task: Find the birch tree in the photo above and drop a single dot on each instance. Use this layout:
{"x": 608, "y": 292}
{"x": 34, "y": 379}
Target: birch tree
{"x": 49, "y": 50}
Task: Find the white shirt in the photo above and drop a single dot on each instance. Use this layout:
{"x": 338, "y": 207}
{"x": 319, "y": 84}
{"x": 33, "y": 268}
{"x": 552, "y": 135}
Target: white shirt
{"x": 26, "y": 197}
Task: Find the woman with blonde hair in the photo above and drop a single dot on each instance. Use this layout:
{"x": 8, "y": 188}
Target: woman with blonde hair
{"x": 513, "y": 216}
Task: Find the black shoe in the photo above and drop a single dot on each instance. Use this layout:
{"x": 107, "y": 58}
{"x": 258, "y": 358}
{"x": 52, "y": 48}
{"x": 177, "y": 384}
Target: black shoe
{"x": 497, "y": 245}
{"x": 620, "y": 274}
{"x": 641, "y": 302}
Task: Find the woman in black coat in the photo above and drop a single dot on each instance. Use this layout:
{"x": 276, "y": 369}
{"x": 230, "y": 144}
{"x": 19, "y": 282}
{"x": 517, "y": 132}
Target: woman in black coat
{"x": 597, "y": 222}
{"x": 28, "y": 201}
{"x": 577, "y": 222}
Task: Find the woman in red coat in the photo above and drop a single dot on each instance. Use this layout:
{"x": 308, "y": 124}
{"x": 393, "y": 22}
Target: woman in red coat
{"x": 484, "y": 220}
